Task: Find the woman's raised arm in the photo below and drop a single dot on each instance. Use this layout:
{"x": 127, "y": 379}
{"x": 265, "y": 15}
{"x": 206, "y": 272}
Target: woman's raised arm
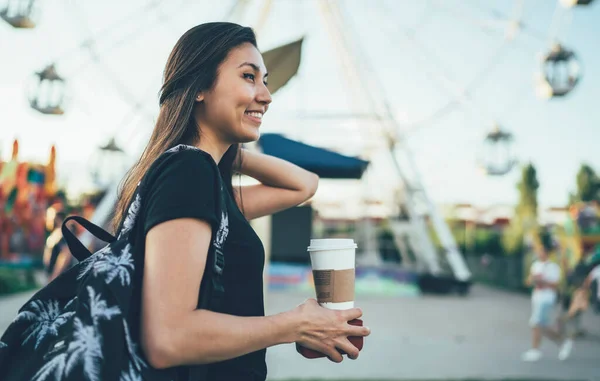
{"x": 282, "y": 185}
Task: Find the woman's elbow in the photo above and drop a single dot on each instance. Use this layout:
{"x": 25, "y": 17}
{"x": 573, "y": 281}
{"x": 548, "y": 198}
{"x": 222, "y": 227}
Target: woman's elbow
{"x": 312, "y": 184}
{"x": 158, "y": 349}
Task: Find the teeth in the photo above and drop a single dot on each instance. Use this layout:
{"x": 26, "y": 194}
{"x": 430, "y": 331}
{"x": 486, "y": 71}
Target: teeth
{"x": 255, "y": 114}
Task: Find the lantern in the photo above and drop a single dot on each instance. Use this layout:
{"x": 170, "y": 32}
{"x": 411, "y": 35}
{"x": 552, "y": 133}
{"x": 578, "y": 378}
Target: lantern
{"x": 572, "y": 3}
{"x": 47, "y": 92}
{"x": 497, "y": 157}
{"x": 560, "y": 73}
{"x": 19, "y": 13}
{"x": 108, "y": 164}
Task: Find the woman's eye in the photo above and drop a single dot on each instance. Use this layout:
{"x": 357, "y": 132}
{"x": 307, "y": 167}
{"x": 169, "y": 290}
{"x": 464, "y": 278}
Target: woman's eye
{"x": 249, "y": 76}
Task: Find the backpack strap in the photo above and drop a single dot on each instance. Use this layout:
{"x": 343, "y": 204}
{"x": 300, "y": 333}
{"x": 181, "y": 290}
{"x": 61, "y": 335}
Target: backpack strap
{"x": 212, "y": 289}
{"x": 78, "y": 249}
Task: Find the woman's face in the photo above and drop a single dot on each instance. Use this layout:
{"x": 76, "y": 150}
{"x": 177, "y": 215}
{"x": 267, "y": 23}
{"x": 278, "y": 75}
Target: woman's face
{"x": 233, "y": 109}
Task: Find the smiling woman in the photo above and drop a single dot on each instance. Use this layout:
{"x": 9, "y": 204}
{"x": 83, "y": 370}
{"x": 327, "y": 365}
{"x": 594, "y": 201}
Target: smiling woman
{"x": 180, "y": 287}
{"x": 213, "y": 99}
{"x": 175, "y": 314}
{"x": 232, "y": 109}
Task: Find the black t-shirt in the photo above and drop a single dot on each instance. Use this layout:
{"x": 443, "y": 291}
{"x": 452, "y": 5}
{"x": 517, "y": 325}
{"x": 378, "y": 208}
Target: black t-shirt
{"x": 184, "y": 185}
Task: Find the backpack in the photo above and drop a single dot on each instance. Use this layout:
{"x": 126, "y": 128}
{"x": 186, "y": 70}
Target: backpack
{"x": 77, "y": 326}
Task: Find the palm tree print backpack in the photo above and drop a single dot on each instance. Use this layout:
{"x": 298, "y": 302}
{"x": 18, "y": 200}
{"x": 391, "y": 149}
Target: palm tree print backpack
{"x": 77, "y": 327}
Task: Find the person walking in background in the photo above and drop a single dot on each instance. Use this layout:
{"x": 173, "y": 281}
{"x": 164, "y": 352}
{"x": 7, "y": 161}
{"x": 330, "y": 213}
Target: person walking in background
{"x": 575, "y": 299}
{"x": 57, "y": 257}
{"x": 594, "y": 276}
{"x": 544, "y": 276}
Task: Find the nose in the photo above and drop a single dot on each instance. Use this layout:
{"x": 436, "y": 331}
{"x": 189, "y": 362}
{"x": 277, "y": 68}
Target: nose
{"x": 264, "y": 95}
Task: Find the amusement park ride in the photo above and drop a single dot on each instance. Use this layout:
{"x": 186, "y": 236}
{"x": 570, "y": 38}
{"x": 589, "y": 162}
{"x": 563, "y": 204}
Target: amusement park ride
{"x": 559, "y": 75}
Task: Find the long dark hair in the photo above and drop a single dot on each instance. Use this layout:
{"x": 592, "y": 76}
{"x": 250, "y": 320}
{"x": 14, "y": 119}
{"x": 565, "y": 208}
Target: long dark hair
{"x": 191, "y": 68}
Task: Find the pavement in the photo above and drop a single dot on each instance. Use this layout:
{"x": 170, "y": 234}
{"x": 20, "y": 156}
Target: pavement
{"x": 480, "y": 336}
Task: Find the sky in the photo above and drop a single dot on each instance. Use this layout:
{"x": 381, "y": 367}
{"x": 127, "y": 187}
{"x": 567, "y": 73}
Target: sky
{"x": 415, "y": 55}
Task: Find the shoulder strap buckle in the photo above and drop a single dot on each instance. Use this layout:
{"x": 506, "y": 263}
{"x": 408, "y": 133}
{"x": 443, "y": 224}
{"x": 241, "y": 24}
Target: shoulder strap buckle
{"x": 219, "y": 262}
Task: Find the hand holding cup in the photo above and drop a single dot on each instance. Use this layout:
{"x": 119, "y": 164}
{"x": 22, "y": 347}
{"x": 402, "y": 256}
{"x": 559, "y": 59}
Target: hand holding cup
{"x": 338, "y": 331}
{"x": 329, "y": 333}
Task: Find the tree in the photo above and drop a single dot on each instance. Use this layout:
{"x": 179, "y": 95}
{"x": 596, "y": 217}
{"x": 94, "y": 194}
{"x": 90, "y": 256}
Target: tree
{"x": 526, "y": 212}
{"x": 588, "y": 184}
{"x": 488, "y": 241}
{"x": 527, "y": 207}
{"x": 512, "y": 241}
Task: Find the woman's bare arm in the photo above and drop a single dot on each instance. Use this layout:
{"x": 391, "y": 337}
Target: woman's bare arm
{"x": 282, "y": 185}
{"x": 175, "y": 333}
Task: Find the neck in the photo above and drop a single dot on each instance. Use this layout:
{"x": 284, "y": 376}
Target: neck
{"x": 212, "y": 145}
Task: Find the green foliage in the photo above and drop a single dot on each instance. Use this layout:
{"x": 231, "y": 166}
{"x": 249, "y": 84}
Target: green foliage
{"x": 527, "y": 207}
{"x": 478, "y": 241}
{"x": 588, "y": 184}
{"x": 526, "y": 212}
{"x": 460, "y": 237}
{"x": 488, "y": 241}
{"x": 512, "y": 241}
{"x": 12, "y": 281}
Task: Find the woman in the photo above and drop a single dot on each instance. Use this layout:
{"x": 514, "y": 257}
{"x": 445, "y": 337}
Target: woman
{"x": 213, "y": 98}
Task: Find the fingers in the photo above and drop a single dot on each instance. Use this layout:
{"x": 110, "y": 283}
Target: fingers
{"x": 346, "y": 346}
{"x": 332, "y": 353}
{"x": 352, "y": 313}
{"x": 358, "y": 331}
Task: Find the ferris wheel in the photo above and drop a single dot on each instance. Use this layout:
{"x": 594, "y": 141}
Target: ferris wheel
{"x": 560, "y": 69}
{"x": 559, "y": 74}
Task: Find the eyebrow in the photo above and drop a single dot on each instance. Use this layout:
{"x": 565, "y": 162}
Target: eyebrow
{"x": 253, "y": 66}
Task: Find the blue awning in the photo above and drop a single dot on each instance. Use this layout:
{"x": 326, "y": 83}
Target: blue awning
{"x": 327, "y": 164}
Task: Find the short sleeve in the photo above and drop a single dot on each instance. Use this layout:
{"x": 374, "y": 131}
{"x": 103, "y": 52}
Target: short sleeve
{"x": 182, "y": 186}
{"x": 553, "y": 273}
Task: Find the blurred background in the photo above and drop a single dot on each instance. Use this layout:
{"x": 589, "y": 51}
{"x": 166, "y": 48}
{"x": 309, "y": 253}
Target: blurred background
{"x": 455, "y": 139}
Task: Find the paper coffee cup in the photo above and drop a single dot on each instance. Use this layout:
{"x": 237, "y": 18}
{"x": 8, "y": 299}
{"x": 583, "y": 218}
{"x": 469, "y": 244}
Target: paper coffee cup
{"x": 333, "y": 263}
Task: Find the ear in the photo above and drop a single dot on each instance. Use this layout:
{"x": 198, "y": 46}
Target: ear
{"x": 200, "y": 97}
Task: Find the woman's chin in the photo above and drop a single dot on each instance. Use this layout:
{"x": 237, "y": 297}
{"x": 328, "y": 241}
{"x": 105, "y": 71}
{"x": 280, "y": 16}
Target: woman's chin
{"x": 249, "y": 135}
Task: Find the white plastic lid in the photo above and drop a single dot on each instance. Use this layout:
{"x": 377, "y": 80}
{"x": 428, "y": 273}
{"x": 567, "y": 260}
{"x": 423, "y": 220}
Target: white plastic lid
{"x": 332, "y": 244}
